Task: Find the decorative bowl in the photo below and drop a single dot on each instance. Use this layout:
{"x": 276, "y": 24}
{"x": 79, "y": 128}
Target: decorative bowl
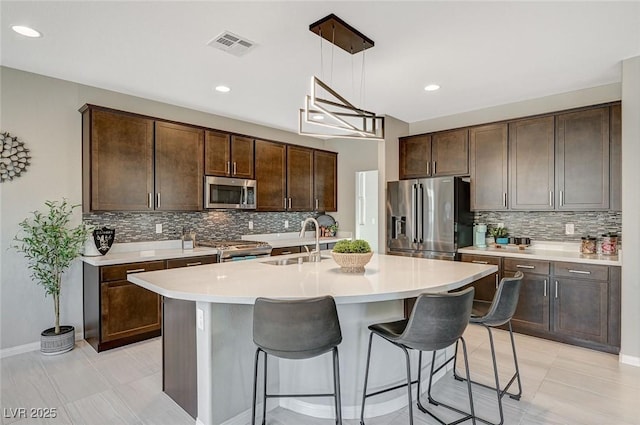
{"x": 352, "y": 262}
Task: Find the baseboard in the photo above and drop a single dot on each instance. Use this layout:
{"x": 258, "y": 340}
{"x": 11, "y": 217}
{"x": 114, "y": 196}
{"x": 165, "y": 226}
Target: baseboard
{"x": 630, "y": 360}
{"x": 25, "y": 348}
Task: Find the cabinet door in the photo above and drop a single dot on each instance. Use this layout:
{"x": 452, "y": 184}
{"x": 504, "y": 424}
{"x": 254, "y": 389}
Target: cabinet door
{"x": 127, "y": 310}
{"x": 485, "y": 288}
{"x": 285, "y": 250}
{"x": 582, "y": 159}
{"x": 325, "y": 181}
{"x": 532, "y": 313}
{"x": 615, "y": 163}
{"x": 271, "y": 176}
{"x": 580, "y": 309}
{"x": 450, "y": 153}
{"x": 488, "y": 163}
{"x": 415, "y": 157}
{"x": 179, "y": 167}
{"x": 299, "y": 178}
{"x": 118, "y": 161}
{"x": 217, "y": 154}
{"x": 531, "y": 147}
{"x": 191, "y": 261}
{"x": 242, "y": 157}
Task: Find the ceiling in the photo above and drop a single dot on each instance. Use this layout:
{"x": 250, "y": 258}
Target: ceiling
{"x": 481, "y": 53}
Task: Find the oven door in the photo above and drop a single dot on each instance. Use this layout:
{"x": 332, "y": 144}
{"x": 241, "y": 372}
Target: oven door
{"x": 229, "y": 193}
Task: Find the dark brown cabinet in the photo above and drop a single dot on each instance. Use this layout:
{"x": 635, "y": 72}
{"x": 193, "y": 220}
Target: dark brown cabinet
{"x": 271, "y": 176}
{"x": 228, "y": 156}
{"x": 582, "y": 160}
{"x": 117, "y": 161}
{"x": 532, "y": 313}
{"x": 325, "y": 181}
{"x": 485, "y": 288}
{"x": 415, "y": 156}
{"x": 615, "y": 156}
{"x": 300, "y": 180}
{"x": 179, "y": 152}
{"x": 488, "y": 163}
{"x": 531, "y": 162}
{"x": 444, "y": 153}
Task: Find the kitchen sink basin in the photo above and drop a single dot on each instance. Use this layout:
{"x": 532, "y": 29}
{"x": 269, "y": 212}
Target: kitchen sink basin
{"x": 288, "y": 261}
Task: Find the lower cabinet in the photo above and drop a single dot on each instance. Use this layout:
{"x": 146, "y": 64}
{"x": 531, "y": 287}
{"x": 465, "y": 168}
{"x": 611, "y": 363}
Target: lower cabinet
{"x": 298, "y": 249}
{"x": 117, "y": 312}
{"x": 485, "y": 288}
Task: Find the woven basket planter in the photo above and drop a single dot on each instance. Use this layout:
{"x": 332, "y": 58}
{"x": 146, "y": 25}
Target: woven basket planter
{"x": 52, "y": 343}
{"x": 350, "y": 262}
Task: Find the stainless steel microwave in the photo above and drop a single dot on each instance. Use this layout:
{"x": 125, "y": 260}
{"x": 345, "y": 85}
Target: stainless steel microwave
{"x": 229, "y": 193}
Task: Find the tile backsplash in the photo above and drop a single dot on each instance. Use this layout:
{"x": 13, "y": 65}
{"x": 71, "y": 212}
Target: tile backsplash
{"x": 550, "y": 225}
{"x": 208, "y": 225}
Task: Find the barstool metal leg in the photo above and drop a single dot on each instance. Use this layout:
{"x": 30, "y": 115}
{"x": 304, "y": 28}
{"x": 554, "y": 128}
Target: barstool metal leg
{"x": 366, "y": 379}
{"x": 515, "y": 361}
{"x": 336, "y": 386}
{"x": 264, "y": 404}
{"x": 406, "y": 354}
{"x": 255, "y": 386}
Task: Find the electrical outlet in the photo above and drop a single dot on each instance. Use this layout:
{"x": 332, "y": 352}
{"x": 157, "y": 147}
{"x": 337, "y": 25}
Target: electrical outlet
{"x": 500, "y": 225}
{"x": 250, "y": 225}
{"x": 569, "y": 229}
{"x": 159, "y": 228}
{"x": 286, "y": 224}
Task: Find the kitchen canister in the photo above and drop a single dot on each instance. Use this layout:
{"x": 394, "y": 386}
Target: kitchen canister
{"x": 588, "y": 245}
{"x": 609, "y": 244}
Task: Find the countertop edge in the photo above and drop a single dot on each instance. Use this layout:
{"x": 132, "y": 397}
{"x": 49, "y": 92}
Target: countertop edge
{"x": 544, "y": 255}
{"x": 138, "y": 257}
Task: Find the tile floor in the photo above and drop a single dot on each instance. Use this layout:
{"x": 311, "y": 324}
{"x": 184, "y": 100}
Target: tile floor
{"x": 562, "y": 385}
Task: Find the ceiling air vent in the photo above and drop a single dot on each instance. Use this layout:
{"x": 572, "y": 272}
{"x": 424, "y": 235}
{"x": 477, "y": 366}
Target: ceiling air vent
{"x": 231, "y": 43}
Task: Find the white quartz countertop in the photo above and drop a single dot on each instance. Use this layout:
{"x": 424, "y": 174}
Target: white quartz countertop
{"x": 550, "y": 251}
{"x": 282, "y": 240}
{"x": 386, "y": 277}
{"x": 146, "y": 251}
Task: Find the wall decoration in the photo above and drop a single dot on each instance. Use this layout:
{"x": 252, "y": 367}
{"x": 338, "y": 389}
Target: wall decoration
{"x": 103, "y": 239}
{"x": 14, "y": 157}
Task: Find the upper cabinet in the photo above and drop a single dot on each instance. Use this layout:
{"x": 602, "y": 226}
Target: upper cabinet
{"x": 488, "y": 166}
{"x": 445, "y": 153}
{"x": 615, "y": 155}
{"x": 325, "y": 181}
{"x": 127, "y": 166}
{"x": 531, "y": 161}
{"x": 271, "y": 176}
{"x": 299, "y": 178}
{"x": 230, "y": 156}
{"x": 582, "y": 159}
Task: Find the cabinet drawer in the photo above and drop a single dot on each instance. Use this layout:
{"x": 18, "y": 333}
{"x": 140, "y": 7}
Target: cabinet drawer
{"x": 191, "y": 261}
{"x": 480, "y": 259}
{"x": 120, "y": 272}
{"x": 285, "y": 250}
{"x": 526, "y": 266}
{"x": 581, "y": 271}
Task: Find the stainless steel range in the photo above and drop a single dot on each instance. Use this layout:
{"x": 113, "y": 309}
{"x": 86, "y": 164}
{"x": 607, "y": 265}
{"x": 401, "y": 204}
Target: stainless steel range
{"x": 238, "y": 249}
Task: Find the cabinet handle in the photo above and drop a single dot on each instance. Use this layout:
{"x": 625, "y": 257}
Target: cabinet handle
{"x": 434, "y": 168}
{"x": 150, "y": 201}
{"x": 504, "y": 199}
{"x": 286, "y": 252}
{"x": 194, "y": 264}
{"x": 561, "y": 198}
{"x": 550, "y": 198}
{"x": 134, "y": 271}
{"x": 235, "y": 168}
{"x": 520, "y": 266}
{"x": 158, "y": 199}
{"x": 428, "y": 167}
{"x": 228, "y": 167}
{"x": 285, "y": 203}
{"x": 497, "y": 283}
{"x": 579, "y": 271}
{"x": 479, "y": 262}
{"x": 289, "y": 203}
{"x": 556, "y": 289}
{"x": 317, "y": 204}
{"x": 545, "y": 288}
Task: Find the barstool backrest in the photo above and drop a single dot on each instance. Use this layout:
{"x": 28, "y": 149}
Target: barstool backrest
{"x": 504, "y": 301}
{"x": 296, "y": 329}
{"x": 437, "y": 320}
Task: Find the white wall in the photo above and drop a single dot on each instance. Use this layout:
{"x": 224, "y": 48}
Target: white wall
{"x": 630, "y": 349}
{"x": 43, "y": 112}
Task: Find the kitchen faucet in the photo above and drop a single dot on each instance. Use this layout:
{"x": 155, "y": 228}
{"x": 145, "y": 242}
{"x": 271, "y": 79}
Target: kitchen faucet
{"x": 314, "y": 256}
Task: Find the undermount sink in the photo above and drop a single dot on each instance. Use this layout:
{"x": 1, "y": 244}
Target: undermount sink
{"x": 288, "y": 261}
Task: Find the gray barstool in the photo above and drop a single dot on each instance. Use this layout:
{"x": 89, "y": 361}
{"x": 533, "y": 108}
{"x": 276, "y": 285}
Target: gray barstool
{"x": 437, "y": 321}
{"x": 296, "y": 329}
{"x": 500, "y": 313}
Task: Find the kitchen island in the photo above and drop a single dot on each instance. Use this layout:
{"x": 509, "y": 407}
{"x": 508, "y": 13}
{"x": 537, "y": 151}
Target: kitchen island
{"x": 222, "y": 297}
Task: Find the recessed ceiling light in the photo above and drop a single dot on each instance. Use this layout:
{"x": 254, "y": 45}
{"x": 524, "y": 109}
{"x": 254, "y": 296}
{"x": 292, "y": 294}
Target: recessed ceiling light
{"x": 26, "y": 31}
{"x": 432, "y": 87}
{"x": 223, "y": 89}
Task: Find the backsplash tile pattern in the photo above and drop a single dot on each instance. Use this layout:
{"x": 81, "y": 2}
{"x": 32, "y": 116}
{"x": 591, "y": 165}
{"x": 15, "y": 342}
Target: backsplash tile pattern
{"x": 208, "y": 225}
{"x": 549, "y": 226}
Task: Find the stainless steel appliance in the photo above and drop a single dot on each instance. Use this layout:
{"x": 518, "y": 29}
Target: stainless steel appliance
{"x": 428, "y": 217}
{"x": 235, "y": 250}
{"x": 229, "y": 193}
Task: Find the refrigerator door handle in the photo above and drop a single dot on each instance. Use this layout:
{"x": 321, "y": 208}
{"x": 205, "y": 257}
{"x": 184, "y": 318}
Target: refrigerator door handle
{"x": 414, "y": 205}
{"x": 421, "y": 210}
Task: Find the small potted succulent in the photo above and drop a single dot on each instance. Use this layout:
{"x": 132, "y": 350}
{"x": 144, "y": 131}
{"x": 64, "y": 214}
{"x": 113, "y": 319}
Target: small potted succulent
{"x": 500, "y": 234}
{"x": 352, "y": 256}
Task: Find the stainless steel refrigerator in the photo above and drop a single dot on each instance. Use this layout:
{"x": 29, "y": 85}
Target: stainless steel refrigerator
{"x": 428, "y": 217}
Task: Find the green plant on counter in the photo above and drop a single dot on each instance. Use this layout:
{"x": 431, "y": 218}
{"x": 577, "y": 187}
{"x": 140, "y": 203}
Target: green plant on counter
{"x": 498, "y": 232}
{"x": 358, "y": 246}
{"x": 50, "y": 245}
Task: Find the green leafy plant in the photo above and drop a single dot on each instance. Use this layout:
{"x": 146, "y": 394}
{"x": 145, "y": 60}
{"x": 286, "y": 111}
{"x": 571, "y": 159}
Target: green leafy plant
{"x": 498, "y": 232}
{"x": 358, "y": 246}
{"x": 50, "y": 245}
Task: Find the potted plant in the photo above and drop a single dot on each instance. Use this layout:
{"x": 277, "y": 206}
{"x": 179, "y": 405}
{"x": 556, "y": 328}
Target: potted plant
{"x": 500, "y": 234}
{"x": 352, "y": 256}
{"x": 50, "y": 245}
